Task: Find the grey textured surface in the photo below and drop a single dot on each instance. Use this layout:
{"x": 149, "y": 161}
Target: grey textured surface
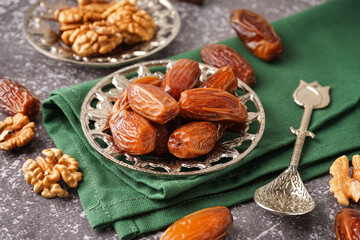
{"x": 26, "y": 215}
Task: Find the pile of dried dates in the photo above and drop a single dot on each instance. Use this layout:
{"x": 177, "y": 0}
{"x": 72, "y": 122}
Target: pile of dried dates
{"x": 176, "y": 115}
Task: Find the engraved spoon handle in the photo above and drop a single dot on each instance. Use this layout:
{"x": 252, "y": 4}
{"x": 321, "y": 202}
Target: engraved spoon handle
{"x": 301, "y": 134}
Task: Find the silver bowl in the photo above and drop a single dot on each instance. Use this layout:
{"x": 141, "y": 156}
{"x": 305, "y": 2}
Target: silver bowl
{"x": 41, "y": 30}
{"x": 99, "y": 101}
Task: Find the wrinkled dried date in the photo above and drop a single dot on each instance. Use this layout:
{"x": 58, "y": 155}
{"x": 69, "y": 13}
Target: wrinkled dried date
{"x": 209, "y": 223}
{"x": 239, "y": 128}
{"x": 193, "y": 139}
{"x": 176, "y": 122}
{"x": 151, "y": 80}
{"x": 132, "y": 133}
{"x": 163, "y": 132}
{"x": 219, "y": 55}
{"x": 210, "y": 104}
{"x": 15, "y": 98}
{"x": 184, "y": 75}
{"x": 257, "y": 34}
{"x": 347, "y": 224}
{"x": 223, "y": 78}
{"x": 152, "y": 102}
{"x": 122, "y": 101}
{"x": 221, "y": 130}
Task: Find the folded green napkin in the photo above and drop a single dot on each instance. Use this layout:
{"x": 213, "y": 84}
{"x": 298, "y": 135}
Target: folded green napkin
{"x": 320, "y": 44}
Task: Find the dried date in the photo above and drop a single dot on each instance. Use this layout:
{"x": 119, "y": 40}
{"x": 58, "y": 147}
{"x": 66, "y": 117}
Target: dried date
{"x": 210, "y": 104}
{"x": 132, "y": 133}
{"x": 184, "y": 75}
{"x": 176, "y": 122}
{"x": 151, "y": 80}
{"x": 347, "y": 224}
{"x": 15, "y": 98}
{"x": 152, "y": 102}
{"x": 210, "y": 223}
{"x": 223, "y": 78}
{"x": 219, "y": 55}
{"x": 193, "y": 139}
{"x": 257, "y": 34}
{"x": 122, "y": 101}
{"x": 163, "y": 132}
{"x": 239, "y": 128}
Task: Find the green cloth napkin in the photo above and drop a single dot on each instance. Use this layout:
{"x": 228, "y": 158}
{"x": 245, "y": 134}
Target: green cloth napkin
{"x": 320, "y": 44}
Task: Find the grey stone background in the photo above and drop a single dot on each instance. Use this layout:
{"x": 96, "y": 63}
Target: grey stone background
{"x": 26, "y": 215}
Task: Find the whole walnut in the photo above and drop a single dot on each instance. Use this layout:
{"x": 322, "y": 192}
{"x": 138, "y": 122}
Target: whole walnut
{"x": 44, "y": 173}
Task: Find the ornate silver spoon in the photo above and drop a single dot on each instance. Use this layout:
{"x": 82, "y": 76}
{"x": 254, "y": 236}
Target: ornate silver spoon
{"x": 286, "y": 194}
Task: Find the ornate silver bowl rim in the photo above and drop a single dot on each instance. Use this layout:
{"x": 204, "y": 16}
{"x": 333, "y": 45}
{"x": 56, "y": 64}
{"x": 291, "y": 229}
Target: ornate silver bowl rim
{"x": 41, "y": 30}
{"x": 99, "y": 101}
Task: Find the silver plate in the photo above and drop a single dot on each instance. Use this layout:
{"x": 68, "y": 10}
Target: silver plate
{"x": 98, "y": 103}
{"x": 42, "y": 32}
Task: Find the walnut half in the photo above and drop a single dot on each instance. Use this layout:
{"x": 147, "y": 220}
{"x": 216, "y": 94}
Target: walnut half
{"x": 342, "y": 185}
{"x": 44, "y": 173}
{"x": 16, "y": 131}
{"x": 97, "y": 38}
{"x": 82, "y": 14}
{"x": 133, "y": 21}
{"x": 87, "y": 2}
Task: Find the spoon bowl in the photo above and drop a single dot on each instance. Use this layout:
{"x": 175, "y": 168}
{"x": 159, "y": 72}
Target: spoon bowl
{"x": 285, "y": 195}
